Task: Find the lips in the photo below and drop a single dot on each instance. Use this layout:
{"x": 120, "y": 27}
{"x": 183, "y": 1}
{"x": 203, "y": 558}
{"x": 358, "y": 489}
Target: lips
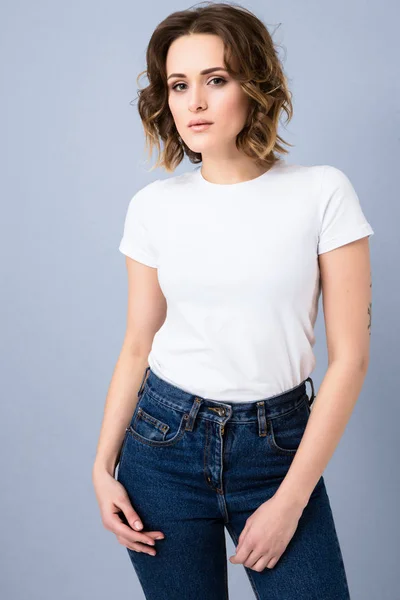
{"x": 200, "y": 123}
{"x": 200, "y": 128}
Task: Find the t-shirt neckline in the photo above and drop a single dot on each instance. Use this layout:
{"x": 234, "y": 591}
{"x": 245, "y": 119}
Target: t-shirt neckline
{"x": 240, "y": 184}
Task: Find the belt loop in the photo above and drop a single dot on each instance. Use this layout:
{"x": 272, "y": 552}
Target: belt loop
{"x": 143, "y": 381}
{"x": 193, "y": 413}
{"x": 262, "y": 421}
{"x": 311, "y": 400}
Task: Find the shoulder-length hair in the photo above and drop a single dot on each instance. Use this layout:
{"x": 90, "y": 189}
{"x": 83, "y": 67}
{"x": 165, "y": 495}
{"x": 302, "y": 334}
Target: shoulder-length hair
{"x": 247, "y": 45}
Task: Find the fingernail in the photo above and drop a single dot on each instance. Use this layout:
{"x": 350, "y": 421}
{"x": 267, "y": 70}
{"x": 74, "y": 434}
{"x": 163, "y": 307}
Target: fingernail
{"x": 160, "y": 538}
{"x": 138, "y": 525}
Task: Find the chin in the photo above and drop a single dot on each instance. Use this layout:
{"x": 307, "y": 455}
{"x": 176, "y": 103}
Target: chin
{"x": 197, "y": 147}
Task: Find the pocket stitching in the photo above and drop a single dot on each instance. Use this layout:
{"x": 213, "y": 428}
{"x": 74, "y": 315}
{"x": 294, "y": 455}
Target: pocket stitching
{"x": 283, "y": 414}
{"x": 271, "y": 438}
{"x": 154, "y": 396}
{"x": 161, "y": 443}
{"x": 142, "y": 414}
{"x": 122, "y": 452}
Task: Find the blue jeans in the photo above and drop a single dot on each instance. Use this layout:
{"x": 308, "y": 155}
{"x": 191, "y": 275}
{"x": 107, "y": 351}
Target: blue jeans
{"x": 192, "y": 466}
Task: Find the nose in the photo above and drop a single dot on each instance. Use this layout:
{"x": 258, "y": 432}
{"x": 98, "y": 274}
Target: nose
{"x": 197, "y": 100}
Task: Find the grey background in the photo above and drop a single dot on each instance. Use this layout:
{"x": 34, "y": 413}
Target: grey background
{"x": 72, "y": 155}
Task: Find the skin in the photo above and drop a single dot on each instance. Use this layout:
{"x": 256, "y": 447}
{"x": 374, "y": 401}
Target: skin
{"x": 216, "y": 97}
{"x": 346, "y": 293}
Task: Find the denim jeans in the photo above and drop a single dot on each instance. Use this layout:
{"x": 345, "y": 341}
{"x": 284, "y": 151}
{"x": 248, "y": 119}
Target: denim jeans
{"x": 192, "y": 466}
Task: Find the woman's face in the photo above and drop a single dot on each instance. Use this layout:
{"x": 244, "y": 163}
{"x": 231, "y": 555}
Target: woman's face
{"x": 215, "y": 96}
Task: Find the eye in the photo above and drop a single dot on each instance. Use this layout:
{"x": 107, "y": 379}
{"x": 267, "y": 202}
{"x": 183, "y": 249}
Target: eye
{"x": 220, "y": 78}
{"x": 176, "y": 85}
{"x": 213, "y": 79}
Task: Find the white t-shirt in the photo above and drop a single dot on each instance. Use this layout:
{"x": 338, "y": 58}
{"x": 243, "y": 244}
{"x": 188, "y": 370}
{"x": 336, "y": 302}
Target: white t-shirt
{"x": 238, "y": 265}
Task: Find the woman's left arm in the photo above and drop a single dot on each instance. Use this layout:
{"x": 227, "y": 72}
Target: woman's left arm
{"x": 347, "y": 302}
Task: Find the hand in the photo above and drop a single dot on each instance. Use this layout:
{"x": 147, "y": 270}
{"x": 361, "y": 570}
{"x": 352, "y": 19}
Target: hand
{"x": 113, "y": 499}
{"x": 266, "y": 534}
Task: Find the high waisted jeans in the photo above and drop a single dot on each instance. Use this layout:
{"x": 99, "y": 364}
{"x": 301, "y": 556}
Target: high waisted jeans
{"x": 192, "y": 466}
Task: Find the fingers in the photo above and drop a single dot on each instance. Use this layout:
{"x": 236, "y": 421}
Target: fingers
{"x": 126, "y": 524}
{"x": 130, "y": 516}
{"x": 136, "y": 546}
{"x": 139, "y": 541}
{"x": 126, "y": 531}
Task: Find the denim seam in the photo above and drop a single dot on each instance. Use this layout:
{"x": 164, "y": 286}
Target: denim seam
{"x": 340, "y": 556}
{"x": 153, "y": 421}
{"x": 122, "y": 449}
{"x": 271, "y": 438}
{"x": 205, "y": 455}
{"x": 247, "y": 570}
{"x": 226, "y": 575}
{"x": 160, "y": 400}
{"x": 302, "y": 400}
{"x": 160, "y": 443}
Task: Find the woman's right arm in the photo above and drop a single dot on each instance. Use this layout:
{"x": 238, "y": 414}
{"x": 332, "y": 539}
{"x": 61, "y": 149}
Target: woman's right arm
{"x": 145, "y": 314}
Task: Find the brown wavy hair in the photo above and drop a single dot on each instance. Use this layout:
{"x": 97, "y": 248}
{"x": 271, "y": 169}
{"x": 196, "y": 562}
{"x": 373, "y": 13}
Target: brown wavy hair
{"x": 248, "y": 44}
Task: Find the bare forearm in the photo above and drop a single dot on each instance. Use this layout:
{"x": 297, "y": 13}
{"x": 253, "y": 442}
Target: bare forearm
{"x": 331, "y": 412}
{"x": 119, "y": 406}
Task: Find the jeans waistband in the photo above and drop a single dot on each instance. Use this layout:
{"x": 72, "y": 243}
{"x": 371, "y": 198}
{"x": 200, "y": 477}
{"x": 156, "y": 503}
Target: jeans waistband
{"x": 222, "y": 411}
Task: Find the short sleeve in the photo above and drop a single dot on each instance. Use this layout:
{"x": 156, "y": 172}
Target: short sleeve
{"x": 341, "y": 218}
{"x": 136, "y": 242}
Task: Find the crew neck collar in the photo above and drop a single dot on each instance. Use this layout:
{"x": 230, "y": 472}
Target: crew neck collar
{"x": 240, "y": 184}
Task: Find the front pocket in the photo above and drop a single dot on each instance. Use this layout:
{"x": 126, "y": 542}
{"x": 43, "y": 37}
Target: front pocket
{"x": 150, "y": 427}
{"x": 121, "y": 454}
{"x": 286, "y": 431}
{"x": 156, "y": 423}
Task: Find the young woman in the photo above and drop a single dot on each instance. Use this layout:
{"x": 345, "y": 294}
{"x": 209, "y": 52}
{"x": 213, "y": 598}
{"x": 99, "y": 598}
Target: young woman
{"x": 207, "y": 413}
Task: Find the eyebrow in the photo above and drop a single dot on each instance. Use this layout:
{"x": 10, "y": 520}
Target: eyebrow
{"x": 204, "y": 72}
